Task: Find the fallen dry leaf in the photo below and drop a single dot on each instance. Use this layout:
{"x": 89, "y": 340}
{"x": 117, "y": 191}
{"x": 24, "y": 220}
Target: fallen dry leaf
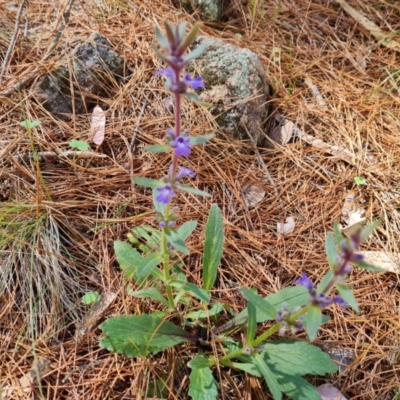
{"x": 98, "y": 126}
{"x": 352, "y": 215}
{"x": 282, "y": 133}
{"x": 370, "y": 26}
{"x": 287, "y": 227}
{"x": 389, "y": 262}
{"x": 252, "y": 195}
{"x": 329, "y": 392}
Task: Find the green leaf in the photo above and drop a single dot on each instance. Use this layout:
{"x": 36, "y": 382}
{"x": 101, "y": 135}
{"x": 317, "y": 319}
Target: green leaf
{"x": 158, "y": 148}
{"x": 366, "y": 232}
{"x": 186, "y": 229}
{"x": 297, "y": 388}
{"x": 161, "y": 38}
{"x": 79, "y": 145}
{"x": 200, "y": 139}
{"x": 169, "y": 32}
{"x": 150, "y": 293}
{"x": 147, "y": 264}
{"x": 140, "y": 335}
{"x": 213, "y": 246}
{"x": 199, "y": 362}
{"x": 268, "y": 375}
{"x": 192, "y": 190}
{"x": 128, "y": 259}
{"x": 198, "y": 51}
{"x": 292, "y": 296}
{"x": 149, "y": 234}
{"x": 91, "y": 297}
{"x": 331, "y": 252}
{"x": 338, "y": 235}
{"x": 194, "y": 290}
{"x": 325, "y": 281}
{"x": 198, "y": 315}
{"x": 175, "y": 240}
{"x": 249, "y": 368}
{"x": 296, "y": 357}
{"x": 193, "y": 97}
{"x": 147, "y": 182}
{"x": 348, "y": 296}
{"x": 369, "y": 267}
{"x": 251, "y": 323}
{"x": 312, "y": 321}
{"x": 359, "y": 180}
{"x": 189, "y": 38}
{"x": 161, "y": 55}
{"x": 202, "y": 385}
{"x": 262, "y": 305}
{"x": 30, "y": 124}
{"x": 181, "y": 30}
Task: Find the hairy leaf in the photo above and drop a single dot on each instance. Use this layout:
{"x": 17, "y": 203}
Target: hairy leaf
{"x": 202, "y": 385}
{"x": 140, "y": 335}
{"x": 312, "y": 321}
{"x": 213, "y": 246}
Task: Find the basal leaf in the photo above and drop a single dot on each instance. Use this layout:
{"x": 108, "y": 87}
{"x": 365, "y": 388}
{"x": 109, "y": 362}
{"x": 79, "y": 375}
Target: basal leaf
{"x": 199, "y": 362}
{"x": 269, "y": 376}
{"x": 140, "y": 335}
{"x": 297, "y": 388}
{"x": 312, "y": 321}
{"x": 348, "y": 296}
{"x": 202, "y": 314}
{"x": 296, "y": 357}
{"x": 213, "y": 246}
{"x": 147, "y": 182}
{"x": 202, "y": 385}
{"x": 251, "y": 325}
{"x": 150, "y": 293}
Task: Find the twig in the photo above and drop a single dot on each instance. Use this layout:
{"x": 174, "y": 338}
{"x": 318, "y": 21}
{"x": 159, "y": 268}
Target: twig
{"x": 12, "y": 41}
{"x": 52, "y": 46}
{"x": 46, "y": 155}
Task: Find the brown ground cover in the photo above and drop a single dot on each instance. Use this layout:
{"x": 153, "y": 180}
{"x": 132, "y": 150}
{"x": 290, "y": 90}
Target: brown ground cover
{"x": 59, "y": 218}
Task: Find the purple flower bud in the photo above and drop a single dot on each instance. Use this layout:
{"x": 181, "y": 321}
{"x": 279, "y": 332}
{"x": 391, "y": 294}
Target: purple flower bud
{"x": 182, "y": 146}
{"x": 304, "y": 281}
{"x": 195, "y": 83}
{"x": 165, "y": 193}
{"x": 171, "y": 224}
{"x": 184, "y": 172}
{"x": 169, "y": 135}
{"x": 339, "y": 300}
{"x": 162, "y": 224}
{"x": 168, "y": 73}
{"x": 357, "y": 257}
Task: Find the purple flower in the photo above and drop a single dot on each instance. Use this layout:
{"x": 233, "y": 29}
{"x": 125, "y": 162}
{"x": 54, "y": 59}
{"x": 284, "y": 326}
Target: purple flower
{"x": 339, "y": 300}
{"x": 195, "y": 83}
{"x": 182, "y": 146}
{"x": 166, "y": 193}
{"x": 304, "y": 281}
{"x": 169, "y": 135}
{"x": 167, "y": 72}
{"x": 184, "y": 172}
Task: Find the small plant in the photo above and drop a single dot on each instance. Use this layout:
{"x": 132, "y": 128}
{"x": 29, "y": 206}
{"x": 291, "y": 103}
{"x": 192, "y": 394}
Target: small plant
{"x": 153, "y": 260}
{"x": 80, "y": 145}
{"x": 359, "y": 180}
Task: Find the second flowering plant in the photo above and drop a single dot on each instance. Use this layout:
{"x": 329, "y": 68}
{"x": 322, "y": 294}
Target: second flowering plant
{"x": 187, "y": 312}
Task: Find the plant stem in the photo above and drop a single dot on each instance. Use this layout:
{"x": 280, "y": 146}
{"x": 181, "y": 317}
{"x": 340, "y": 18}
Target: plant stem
{"x": 165, "y": 255}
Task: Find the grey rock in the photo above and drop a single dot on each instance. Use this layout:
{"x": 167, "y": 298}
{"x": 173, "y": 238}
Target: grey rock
{"x": 94, "y": 66}
{"x": 210, "y": 10}
{"x": 236, "y": 86}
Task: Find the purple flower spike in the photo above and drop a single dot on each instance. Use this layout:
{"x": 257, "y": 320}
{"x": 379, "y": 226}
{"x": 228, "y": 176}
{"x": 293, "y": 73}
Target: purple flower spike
{"x": 304, "y": 281}
{"x": 182, "y": 146}
{"x": 184, "y": 172}
{"x": 195, "y": 83}
{"x": 166, "y": 193}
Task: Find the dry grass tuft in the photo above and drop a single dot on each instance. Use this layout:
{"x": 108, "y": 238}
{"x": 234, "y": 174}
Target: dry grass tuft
{"x": 59, "y": 218}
